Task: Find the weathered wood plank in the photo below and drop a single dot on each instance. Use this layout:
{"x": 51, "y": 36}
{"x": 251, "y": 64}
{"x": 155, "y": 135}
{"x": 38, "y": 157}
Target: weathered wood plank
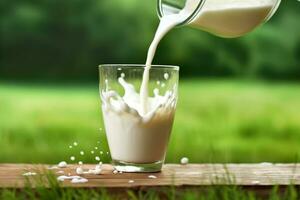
{"x": 264, "y": 174}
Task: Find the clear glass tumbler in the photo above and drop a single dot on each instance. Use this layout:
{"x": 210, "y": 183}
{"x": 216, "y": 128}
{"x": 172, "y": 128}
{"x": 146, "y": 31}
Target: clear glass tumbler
{"x": 137, "y": 142}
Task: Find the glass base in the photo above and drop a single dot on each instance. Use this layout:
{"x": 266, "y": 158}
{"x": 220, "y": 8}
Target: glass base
{"x": 136, "y": 167}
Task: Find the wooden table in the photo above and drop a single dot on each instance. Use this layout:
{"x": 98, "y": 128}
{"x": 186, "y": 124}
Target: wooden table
{"x": 258, "y": 175}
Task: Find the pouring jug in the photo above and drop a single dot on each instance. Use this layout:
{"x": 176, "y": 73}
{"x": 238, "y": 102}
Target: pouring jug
{"x": 224, "y": 18}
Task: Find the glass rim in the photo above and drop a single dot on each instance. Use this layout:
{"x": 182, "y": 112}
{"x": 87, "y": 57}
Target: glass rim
{"x": 128, "y": 66}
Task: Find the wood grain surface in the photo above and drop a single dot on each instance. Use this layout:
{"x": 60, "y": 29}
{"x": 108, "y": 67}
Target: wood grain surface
{"x": 262, "y": 174}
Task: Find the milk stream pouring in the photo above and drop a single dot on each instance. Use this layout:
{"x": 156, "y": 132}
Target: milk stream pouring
{"x": 225, "y": 18}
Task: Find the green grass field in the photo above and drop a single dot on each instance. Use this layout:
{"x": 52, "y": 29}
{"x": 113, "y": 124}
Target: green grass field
{"x": 216, "y": 121}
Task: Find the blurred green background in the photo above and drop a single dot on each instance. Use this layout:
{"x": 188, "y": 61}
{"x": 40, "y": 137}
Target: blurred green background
{"x": 239, "y": 98}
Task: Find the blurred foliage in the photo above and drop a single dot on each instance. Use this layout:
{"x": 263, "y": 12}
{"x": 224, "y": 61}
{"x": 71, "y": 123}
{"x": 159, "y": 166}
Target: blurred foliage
{"x": 67, "y": 39}
{"x": 225, "y": 121}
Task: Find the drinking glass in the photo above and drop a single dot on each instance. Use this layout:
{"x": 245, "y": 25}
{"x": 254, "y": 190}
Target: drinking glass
{"x": 138, "y": 143}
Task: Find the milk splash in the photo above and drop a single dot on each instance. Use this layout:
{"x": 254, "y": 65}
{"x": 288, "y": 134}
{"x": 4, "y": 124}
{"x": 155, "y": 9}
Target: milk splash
{"x": 225, "y": 18}
{"x": 166, "y": 24}
{"x": 134, "y": 136}
{"x": 131, "y": 97}
{"x": 131, "y": 102}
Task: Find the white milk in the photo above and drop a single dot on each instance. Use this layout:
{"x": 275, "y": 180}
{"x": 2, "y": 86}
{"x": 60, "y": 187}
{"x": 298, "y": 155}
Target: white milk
{"x": 133, "y": 137}
{"x": 138, "y": 126}
{"x": 230, "y": 18}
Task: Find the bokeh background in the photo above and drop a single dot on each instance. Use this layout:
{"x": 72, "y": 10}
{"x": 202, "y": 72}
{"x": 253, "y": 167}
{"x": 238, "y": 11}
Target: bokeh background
{"x": 239, "y": 98}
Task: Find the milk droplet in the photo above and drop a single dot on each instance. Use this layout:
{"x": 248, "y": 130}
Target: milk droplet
{"x": 152, "y": 176}
{"x": 75, "y": 143}
{"x": 72, "y": 158}
{"x": 81, "y": 152}
{"x": 166, "y": 76}
{"x": 184, "y": 161}
{"x": 52, "y": 167}
{"x": 163, "y": 85}
{"x": 29, "y": 174}
{"x": 115, "y": 171}
{"x": 92, "y": 152}
{"x": 97, "y": 171}
{"x": 156, "y": 92}
{"x": 266, "y": 163}
{"x": 173, "y": 104}
{"x": 96, "y": 148}
{"x": 80, "y": 162}
{"x": 62, "y": 178}
{"x": 70, "y": 146}
{"x": 79, "y": 170}
{"x": 79, "y": 180}
{"x": 122, "y": 75}
{"x": 98, "y": 166}
{"x": 158, "y": 82}
{"x": 255, "y": 182}
{"x": 62, "y": 164}
{"x": 97, "y": 158}
{"x": 131, "y": 181}
{"x": 101, "y": 152}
